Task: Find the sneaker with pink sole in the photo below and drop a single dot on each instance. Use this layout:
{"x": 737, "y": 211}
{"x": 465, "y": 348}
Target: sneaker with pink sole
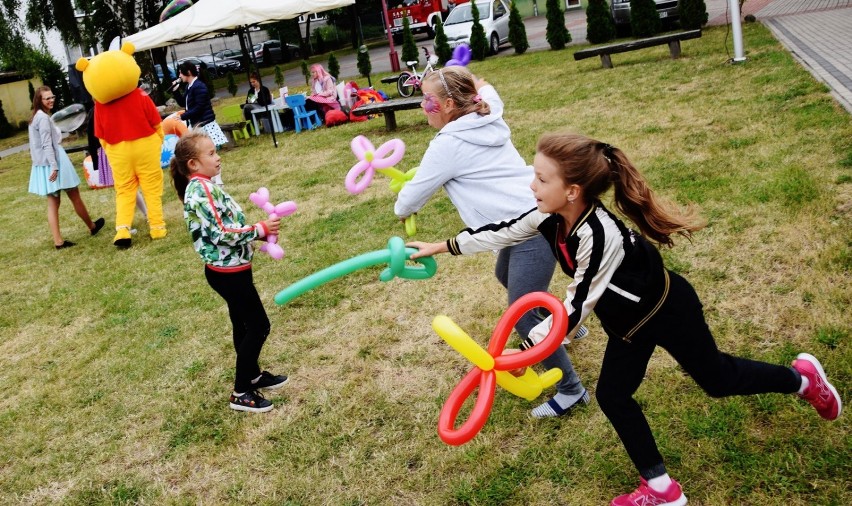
{"x": 820, "y": 393}
{"x": 646, "y": 496}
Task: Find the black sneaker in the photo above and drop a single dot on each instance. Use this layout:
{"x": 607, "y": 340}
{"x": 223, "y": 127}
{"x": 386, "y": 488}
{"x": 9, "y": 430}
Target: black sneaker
{"x": 269, "y": 381}
{"x": 250, "y": 401}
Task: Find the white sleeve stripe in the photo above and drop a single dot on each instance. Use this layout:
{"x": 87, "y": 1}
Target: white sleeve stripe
{"x": 624, "y": 293}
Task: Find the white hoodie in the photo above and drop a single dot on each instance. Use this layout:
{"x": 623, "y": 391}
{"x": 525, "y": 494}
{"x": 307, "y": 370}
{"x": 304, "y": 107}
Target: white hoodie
{"x": 474, "y": 159}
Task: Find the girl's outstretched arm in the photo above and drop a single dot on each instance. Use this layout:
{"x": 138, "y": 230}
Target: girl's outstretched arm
{"x": 427, "y": 249}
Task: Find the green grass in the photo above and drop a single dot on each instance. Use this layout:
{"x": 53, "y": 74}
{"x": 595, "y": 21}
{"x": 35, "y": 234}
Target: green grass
{"x": 116, "y": 365}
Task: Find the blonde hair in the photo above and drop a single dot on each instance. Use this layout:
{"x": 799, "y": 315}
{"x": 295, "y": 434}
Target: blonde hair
{"x": 596, "y": 166}
{"x": 186, "y": 149}
{"x": 456, "y": 83}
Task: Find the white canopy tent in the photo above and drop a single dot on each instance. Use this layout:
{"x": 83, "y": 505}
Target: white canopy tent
{"x": 207, "y": 18}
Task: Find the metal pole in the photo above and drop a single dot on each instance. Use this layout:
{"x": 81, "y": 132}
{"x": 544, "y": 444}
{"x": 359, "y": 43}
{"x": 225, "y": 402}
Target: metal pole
{"x": 394, "y": 58}
{"x": 737, "y": 29}
{"x": 253, "y": 57}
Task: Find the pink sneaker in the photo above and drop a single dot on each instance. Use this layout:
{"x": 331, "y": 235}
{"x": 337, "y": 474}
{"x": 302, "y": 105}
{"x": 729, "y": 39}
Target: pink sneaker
{"x": 646, "y": 496}
{"x": 820, "y": 393}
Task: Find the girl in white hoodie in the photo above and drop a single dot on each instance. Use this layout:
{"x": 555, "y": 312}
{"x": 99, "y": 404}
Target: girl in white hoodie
{"x": 472, "y": 157}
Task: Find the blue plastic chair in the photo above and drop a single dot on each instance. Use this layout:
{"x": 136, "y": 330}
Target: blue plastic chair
{"x": 297, "y": 104}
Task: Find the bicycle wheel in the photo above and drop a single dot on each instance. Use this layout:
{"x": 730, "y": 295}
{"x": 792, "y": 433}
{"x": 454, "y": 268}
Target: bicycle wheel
{"x": 404, "y": 85}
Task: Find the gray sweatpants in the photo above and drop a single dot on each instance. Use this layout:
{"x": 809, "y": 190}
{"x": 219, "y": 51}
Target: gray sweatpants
{"x": 528, "y": 267}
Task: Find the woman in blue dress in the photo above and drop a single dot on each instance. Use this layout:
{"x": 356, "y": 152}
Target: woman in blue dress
{"x": 52, "y": 170}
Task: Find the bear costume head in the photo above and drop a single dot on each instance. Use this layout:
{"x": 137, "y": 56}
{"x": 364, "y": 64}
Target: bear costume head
{"x": 111, "y": 74}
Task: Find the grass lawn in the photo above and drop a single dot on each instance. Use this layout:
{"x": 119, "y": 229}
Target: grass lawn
{"x": 116, "y": 365}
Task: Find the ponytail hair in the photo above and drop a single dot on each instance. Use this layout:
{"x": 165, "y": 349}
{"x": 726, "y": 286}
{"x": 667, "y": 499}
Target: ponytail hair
{"x": 457, "y": 84}
{"x": 596, "y": 166}
{"x": 185, "y": 150}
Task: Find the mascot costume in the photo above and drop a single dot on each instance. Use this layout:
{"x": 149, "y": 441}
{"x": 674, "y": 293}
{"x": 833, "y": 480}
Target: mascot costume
{"x": 128, "y": 126}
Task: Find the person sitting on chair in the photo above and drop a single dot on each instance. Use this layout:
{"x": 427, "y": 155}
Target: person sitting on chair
{"x": 258, "y": 96}
{"x": 323, "y": 96}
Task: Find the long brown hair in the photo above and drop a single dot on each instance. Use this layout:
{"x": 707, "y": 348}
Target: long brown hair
{"x": 457, "y": 84}
{"x": 185, "y": 150}
{"x": 596, "y": 166}
{"x": 38, "y": 103}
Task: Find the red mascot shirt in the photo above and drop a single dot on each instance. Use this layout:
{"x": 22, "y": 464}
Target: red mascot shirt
{"x": 128, "y": 118}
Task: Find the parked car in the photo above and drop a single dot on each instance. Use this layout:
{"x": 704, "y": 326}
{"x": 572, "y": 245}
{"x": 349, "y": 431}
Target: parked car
{"x": 494, "y": 17}
{"x": 220, "y": 66}
{"x": 159, "y": 71}
{"x": 270, "y": 52}
{"x": 234, "y": 54}
{"x": 195, "y": 61}
{"x": 620, "y": 10}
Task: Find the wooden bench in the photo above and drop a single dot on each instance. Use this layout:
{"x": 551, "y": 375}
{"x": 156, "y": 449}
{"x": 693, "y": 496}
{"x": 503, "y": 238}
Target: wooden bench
{"x": 389, "y": 108}
{"x": 390, "y": 79}
{"x": 672, "y": 39}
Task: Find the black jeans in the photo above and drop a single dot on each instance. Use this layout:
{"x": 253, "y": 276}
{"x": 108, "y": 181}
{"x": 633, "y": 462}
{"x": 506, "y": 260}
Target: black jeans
{"x": 248, "y": 318}
{"x": 679, "y": 328}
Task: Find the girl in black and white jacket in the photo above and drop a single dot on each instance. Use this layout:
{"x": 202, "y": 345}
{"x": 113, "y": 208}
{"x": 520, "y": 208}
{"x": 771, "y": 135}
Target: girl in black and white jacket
{"x": 619, "y": 274}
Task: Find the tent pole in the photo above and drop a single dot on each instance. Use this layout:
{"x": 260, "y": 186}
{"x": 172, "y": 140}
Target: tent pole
{"x": 260, "y": 81}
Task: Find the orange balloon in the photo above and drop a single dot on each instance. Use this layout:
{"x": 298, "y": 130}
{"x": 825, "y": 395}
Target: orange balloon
{"x": 173, "y": 125}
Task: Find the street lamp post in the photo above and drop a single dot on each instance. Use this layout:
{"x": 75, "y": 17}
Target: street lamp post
{"x": 394, "y": 58}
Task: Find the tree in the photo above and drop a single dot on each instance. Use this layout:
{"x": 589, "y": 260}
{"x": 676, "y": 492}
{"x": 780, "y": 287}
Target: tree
{"x": 409, "y": 47}
{"x": 279, "y": 76}
{"x": 232, "y": 84}
{"x": 599, "y": 25}
{"x": 102, "y": 21}
{"x": 644, "y": 19}
{"x": 364, "y": 65}
{"x": 333, "y": 66}
{"x": 319, "y": 44}
{"x": 442, "y": 46}
{"x": 693, "y": 13}
{"x": 478, "y": 41}
{"x": 557, "y": 33}
{"x": 305, "y": 71}
{"x": 517, "y": 30}
{"x": 6, "y": 129}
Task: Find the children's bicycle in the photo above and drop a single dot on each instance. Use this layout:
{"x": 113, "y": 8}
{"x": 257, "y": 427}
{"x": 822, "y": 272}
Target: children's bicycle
{"x": 409, "y": 81}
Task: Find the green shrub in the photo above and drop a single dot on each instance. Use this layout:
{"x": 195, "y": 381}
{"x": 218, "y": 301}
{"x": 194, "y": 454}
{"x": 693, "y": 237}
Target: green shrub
{"x": 409, "y": 47}
{"x": 306, "y": 72}
{"x": 6, "y": 129}
{"x": 557, "y": 33}
{"x": 279, "y": 76}
{"x": 644, "y": 19}
{"x": 364, "y": 65}
{"x": 319, "y": 42}
{"x": 693, "y": 13}
{"x": 232, "y": 84}
{"x": 599, "y": 25}
{"x": 442, "y": 47}
{"x": 517, "y": 30}
{"x": 333, "y": 66}
{"x": 478, "y": 41}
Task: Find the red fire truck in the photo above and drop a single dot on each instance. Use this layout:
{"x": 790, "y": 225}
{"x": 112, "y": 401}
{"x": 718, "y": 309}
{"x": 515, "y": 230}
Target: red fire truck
{"x": 422, "y": 15}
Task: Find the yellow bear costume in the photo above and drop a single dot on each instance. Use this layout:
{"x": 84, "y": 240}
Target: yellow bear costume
{"x": 128, "y": 126}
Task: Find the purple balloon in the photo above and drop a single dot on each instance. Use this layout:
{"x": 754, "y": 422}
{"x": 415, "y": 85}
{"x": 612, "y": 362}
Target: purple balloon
{"x": 461, "y": 56}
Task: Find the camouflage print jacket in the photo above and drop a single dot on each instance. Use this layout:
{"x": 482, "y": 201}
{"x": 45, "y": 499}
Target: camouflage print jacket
{"x": 217, "y": 226}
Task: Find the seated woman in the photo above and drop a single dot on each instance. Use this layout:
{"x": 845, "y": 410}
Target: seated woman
{"x": 323, "y": 96}
{"x": 258, "y": 96}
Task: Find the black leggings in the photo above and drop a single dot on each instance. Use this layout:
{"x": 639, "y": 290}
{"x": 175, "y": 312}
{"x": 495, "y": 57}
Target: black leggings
{"x": 679, "y": 328}
{"x": 251, "y": 325}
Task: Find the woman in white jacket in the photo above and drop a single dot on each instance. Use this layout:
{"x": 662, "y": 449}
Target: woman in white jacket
{"x": 52, "y": 170}
{"x": 472, "y": 157}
